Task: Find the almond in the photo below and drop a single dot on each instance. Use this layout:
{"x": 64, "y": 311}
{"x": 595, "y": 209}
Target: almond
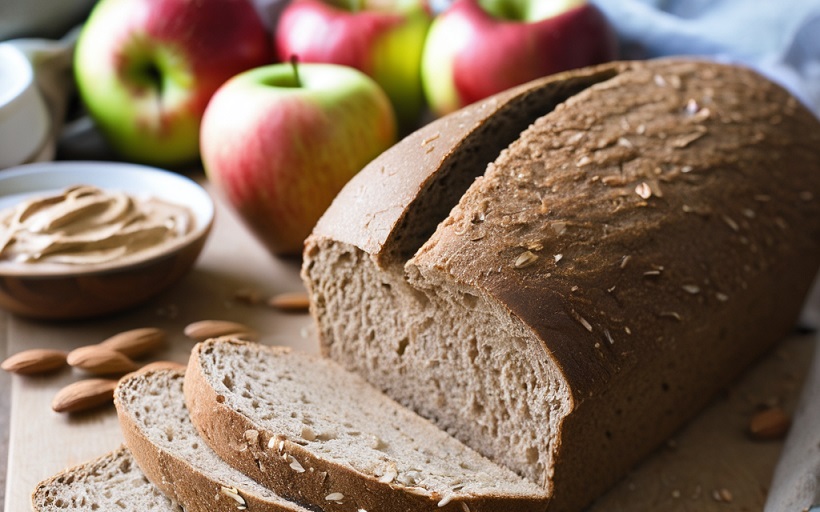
{"x": 163, "y": 365}
{"x": 769, "y": 424}
{"x": 99, "y": 360}
{"x": 294, "y": 302}
{"x": 205, "y": 329}
{"x": 248, "y": 296}
{"x": 83, "y": 395}
{"x": 36, "y": 360}
{"x": 136, "y": 343}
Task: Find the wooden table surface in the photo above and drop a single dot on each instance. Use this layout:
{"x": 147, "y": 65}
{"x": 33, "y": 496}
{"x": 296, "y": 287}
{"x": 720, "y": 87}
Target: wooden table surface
{"x": 711, "y": 455}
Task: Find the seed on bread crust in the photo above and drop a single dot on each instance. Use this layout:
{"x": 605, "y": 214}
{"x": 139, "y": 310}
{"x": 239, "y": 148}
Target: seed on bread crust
{"x": 335, "y": 496}
{"x": 233, "y": 493}
{"x": 525, "y": 259}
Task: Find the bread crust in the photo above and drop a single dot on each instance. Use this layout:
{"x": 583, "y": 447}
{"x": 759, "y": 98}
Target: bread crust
{"x": 674, "y": 240}
{"x": 372, "y": 210}
{"x": 267, "y": 457}
{"x": 694, "y": 213}
{"x": 180, "y": 481}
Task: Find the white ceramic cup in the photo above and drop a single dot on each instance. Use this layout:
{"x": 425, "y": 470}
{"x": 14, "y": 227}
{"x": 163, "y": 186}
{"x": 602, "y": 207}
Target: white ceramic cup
{"x": 24, "y": 118}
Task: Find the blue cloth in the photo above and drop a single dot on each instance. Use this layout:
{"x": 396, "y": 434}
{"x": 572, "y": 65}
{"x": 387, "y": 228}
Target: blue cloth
{"x": 780, "y": 38}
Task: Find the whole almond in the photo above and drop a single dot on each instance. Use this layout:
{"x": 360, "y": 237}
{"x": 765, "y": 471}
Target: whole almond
{"x": 136, "y": 343}
{"x": 769, "y": 424}
{"x": 205, "y": 329}
{"x": 248, "y": 296}
{"x": 99, "y": 360}
{"x": 84, "y": 394}
{"x": 34, "y": 361}
{"x": 163, "y": 365}
{"x": 293, "y": 302}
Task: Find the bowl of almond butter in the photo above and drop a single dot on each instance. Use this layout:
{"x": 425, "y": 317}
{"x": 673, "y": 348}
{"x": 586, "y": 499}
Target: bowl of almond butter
{"x": 84, "y": 239}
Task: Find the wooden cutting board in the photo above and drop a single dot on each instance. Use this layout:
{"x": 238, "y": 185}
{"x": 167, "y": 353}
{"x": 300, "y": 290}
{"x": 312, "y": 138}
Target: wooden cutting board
{"x": 711, "y": 465}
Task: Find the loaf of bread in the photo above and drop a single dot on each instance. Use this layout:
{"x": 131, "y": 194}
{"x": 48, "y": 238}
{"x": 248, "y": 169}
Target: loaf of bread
{"x": 315, "y": 433}
{"x": 168, "y": 449}
{"x": 110, "y": 482}
{"x": 562, "y": 275}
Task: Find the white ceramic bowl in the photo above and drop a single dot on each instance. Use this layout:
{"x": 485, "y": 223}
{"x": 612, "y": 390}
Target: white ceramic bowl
{"x": 24, "y": 119}
{"x": 58, "y": 292}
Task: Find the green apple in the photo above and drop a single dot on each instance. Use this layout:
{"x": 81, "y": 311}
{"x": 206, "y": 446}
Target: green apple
{"x": 146, "y": 69}
{"x": 279, "y": 144}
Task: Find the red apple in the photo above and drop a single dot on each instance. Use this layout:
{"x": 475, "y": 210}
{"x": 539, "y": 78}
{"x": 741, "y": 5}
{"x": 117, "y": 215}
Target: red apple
{"x": 279, "y": 146}
{"x": 146, "y": 69}
{"x": 477, "y": 48}
{"x": 382, "y": 38}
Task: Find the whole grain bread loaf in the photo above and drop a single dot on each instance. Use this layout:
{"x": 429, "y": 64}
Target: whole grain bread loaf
{"x": 315, "y": 433}
{"x": 562, "y": 275}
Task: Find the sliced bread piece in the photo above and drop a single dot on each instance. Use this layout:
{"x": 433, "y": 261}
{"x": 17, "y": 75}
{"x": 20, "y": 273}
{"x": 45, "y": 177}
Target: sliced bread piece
{"x": 110, "y": 482}
{"x": 305, "y": 427}
{"x": 165, "y": 444}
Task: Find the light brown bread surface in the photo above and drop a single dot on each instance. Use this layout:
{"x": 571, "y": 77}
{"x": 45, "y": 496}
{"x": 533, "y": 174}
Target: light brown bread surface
{"x": 316, "y": 433}
{"x": 618, "y": 263}
{"x": 110, "y": 482}
{"x": 157, "y": 430}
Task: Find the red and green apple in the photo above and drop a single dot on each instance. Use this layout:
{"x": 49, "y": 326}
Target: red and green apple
{"x": 476, "y": 48}
{"x": 146, "y": 69}
{"x": 382, "y": 38}
{"x": 279, "y": 144}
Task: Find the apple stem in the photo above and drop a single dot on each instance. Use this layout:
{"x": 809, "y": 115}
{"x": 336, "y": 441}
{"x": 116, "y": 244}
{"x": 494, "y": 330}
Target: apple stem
{"x": 294, "y": 62}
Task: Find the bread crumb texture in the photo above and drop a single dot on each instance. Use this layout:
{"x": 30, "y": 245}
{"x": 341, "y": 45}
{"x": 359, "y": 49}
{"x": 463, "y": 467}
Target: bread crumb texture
{"x": 339, "y": 439}
{"x": 111, "y": 482}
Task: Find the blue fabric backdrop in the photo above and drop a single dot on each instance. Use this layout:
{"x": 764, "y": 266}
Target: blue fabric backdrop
{"x": 781, "y": 38}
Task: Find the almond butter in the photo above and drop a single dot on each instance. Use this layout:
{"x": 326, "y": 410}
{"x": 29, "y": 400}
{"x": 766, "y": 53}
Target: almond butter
{"x": 99, "y": 360}
{"x": 769, "y": 424}
{"x": 205, "y": 329}
{"x": 34, "y": 361}
{"x": 84, "y": 394}
{"x": 136, "y": 343}
{"x": 162, "y": 365}
{"x": 293, "y": 302}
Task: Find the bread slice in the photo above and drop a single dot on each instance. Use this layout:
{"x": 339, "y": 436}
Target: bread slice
{"x": 110, "y": 482}
{"x": 165, "y": 444}
{"x": 303, "y": 426}
{"x": 621, "y": 260}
